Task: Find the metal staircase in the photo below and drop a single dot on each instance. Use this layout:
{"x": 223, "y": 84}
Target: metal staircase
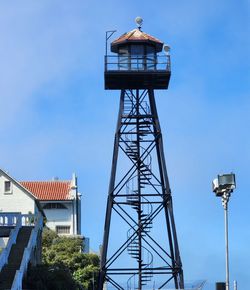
{"x": 142, "y": 178}
{"x": 24, "y": 247}
{"x": 8, "y": 271}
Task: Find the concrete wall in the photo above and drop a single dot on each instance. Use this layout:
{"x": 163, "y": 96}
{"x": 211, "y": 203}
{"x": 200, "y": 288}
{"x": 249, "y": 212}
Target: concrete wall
{"x": 60, "y": 217}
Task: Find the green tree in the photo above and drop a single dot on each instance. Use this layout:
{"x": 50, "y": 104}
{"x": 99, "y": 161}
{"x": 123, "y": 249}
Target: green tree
{"x": 64, "y": 254}
{"x": 56, "y": 277}
{"x": 48, "y": 237}
{"x": 87, "y": 276}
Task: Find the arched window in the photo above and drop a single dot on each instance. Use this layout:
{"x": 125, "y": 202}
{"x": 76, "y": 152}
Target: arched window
{"x": 54, "y": 205}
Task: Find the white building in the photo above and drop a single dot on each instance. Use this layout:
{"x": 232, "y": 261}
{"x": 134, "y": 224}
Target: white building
{"x": 14, "y": 198}
{"x": 58, "y": 200}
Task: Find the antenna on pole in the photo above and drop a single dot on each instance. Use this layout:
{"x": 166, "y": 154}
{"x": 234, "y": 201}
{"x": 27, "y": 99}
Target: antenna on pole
{"x": 139, "y": 21}
{"x": 109, "y": 33}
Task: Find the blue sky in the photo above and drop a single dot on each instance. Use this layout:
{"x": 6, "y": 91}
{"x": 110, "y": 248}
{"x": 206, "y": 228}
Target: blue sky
{"x": 56, "y": 118}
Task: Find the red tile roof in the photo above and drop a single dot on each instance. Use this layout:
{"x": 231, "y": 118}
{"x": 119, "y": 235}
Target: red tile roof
{"x": 48, "y": 190}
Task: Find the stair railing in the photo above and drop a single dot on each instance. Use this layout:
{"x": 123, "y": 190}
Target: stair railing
{"x": 146, "y": 275}
{"x": 27, "y": 255}
{"x": 12, "y": 240}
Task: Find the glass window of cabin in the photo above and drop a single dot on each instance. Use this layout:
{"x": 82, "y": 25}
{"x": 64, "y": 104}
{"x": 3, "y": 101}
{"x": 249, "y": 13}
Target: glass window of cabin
{"x": 123, "y": 58}
{"x": 137, "y": 56}
{"x": 150, "y": 57}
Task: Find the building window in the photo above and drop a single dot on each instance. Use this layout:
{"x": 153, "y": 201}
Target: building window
{"x": 63, "y": 229}
{"x": 54, "y": 205}
{"x": 7, "y": 187}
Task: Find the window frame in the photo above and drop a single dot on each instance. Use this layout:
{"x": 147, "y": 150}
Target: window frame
{"x": 65, "y": 229}
{"x": 128, "y": 60}
{"x": 10, "y": 188}
{"x": 57, "y": 205}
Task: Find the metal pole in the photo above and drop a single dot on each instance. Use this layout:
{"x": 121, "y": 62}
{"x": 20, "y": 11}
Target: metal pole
{"x": 109, "y": 33}
{"x": 226, "y": 244}
{"x": 139, "y": 193}
{"x": 225, "y": 199}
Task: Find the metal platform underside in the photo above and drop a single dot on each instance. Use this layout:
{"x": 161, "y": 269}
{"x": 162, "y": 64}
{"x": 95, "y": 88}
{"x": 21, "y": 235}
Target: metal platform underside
{"x": 117, "y": 79}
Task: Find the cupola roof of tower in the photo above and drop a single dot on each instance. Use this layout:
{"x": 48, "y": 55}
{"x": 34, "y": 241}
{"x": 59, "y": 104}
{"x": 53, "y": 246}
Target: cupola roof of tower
{"x": 136, "y": 36}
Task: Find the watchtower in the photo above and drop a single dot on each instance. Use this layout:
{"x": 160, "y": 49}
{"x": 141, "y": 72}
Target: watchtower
{"x": 143, "y": 248}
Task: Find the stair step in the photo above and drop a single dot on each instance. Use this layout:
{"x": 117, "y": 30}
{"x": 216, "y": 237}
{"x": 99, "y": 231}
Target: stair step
{"x": 133, "y": 203}
{"x": 8, "y": 272}
{"x": 131, "y": 154}
{"x": 146, "y": 176}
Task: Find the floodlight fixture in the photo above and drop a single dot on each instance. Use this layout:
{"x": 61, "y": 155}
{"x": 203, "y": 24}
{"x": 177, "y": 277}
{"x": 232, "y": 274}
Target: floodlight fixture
{"x": 166, "y": 48}
{"x": 223, "y": 186}
{"x": 224, "y": 183}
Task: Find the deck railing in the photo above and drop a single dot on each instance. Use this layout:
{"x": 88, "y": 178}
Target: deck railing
{"x": 28, "y": 252}
{"x": 137, "y": 63}
{"x": 13, "y": 219}
{"x": 12, "y": 240}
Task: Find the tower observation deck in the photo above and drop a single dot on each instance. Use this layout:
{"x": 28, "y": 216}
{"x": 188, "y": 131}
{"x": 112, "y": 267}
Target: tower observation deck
{"x": 137, "y": 63}
{"x": 140, "y": 248}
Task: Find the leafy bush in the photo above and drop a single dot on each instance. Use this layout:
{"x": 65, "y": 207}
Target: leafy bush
{"x": 64, "y": 265}
{"x": 56, "y": 277}
{"x": 86, "y": 276}
{"x": 48, "y": 237}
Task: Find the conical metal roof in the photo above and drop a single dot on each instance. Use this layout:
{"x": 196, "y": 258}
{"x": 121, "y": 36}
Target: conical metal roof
{"x": 136, "y": 36}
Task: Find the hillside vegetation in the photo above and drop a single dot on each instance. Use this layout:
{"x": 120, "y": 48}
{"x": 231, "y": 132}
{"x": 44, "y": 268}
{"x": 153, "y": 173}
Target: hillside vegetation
{"x": 64, "y": 266}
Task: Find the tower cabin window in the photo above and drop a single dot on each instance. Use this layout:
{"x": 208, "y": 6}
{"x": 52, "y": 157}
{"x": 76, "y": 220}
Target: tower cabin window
{"x": 137, "y": 57}
{"x": 123, "y": 58}
{"x": 151, "y": 58}
{"x": 54, "y": 205}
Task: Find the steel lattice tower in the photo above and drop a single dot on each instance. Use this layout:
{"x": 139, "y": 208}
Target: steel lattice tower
{"x": 139, "y": 192}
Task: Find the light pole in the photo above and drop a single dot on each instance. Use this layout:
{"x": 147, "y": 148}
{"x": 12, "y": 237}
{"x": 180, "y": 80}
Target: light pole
{"x": 93, "y": 280}
{"x": 223, "y": 186}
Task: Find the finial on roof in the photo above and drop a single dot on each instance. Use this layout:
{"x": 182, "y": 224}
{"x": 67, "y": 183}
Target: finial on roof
{"x": 139, "y": 21}
{"x": 74, "y": 181}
